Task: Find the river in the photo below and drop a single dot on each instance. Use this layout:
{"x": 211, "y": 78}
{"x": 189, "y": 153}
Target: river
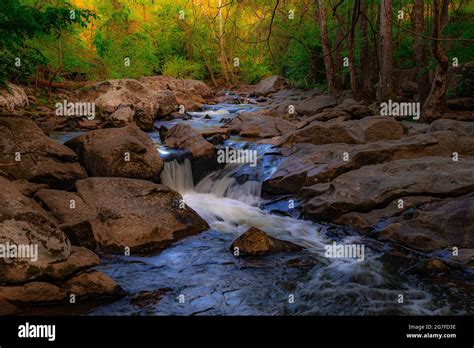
{"x": 200, "y": 275}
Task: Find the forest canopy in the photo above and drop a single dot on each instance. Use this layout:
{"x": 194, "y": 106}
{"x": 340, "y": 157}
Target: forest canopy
{"x": 313, "y": 43}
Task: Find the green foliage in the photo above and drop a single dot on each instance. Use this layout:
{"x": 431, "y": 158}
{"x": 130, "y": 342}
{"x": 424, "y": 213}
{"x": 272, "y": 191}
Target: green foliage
{"x": 181, "y": 68}
{"x": 465, "y": 88}
{"x": 21, "y": 23}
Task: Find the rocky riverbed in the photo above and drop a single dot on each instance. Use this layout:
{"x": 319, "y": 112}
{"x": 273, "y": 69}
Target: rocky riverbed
{"x": 133, "y": 213}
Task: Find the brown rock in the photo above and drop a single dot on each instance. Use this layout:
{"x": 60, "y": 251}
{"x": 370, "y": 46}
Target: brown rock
{"x": 257, "y": 125}
{"x": 255, "y": 242}
{"x": 13, "y": 97}
{"x": 270, "y": 85}
{"x": 42, "y": 160}
{"x": 32, "y": 293}
{"x": 93, "y": 284}
{"x": 459, "y": 127}
{"x": 307, "y": 164}
{"x": 104, "y": 153}
{"x": 137, "y": 214}
{"x": 24, "y": 222}
{"x": 436, "y": 225}
{"x": 372, "y": 187}
{"x": 314, "y": 105}
{"x": 183, "y": 136}
{"x": 369, "y": 129}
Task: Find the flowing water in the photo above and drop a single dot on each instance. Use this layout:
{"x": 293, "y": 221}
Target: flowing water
{"x": 200, "y": 275}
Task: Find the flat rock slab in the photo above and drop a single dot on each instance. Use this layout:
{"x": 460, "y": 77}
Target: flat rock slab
{"x": 307, "y": 164}
{"x": 372, "y": 187}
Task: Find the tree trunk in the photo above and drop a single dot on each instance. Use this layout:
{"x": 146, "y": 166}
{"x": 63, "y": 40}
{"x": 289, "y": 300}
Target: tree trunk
{"x": 352, "y": 68}
{"x": 435, "y": 104}
{"x": 366, "y": 89}
{"x": 386, "y": 51}
{"x": 419, "y": 49}
{"x": 338, "y": 59}
{"x": 328, "y": 62}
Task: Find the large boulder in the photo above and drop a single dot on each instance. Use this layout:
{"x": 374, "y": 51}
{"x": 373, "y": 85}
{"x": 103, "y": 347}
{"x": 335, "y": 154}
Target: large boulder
{"x": 147, "y": 103}
{"x": 369, "y": 129}
{"x": 118, "y": 152}
{"x": 256, "y": 125}
{"x": 27, "y": 153}
{"x": 270, "y": 85}
{"x": 183, "y": 136}
{"x": 376, "y": 219}
{"x": 24, "y": 222}
{"x": 255, "y": 242}
{"x": 137, "y": 214}
{"x": 435, "y": 225}
{"x": 192, "y": 94}
{"x": 372, "y": 187}
{"x": 307, "y": 164}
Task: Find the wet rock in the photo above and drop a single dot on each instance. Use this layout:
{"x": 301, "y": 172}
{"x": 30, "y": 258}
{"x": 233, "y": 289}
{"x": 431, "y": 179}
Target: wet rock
{"x": 260, "y": 126}
{"x": 372, "y": 187}
{"x": 270, "y": 85}
{"x": 118, "y": 152}
{"x": 13, "y": 98}
{"x": 215, "y": 131}
{"x": 255, "y": 242}
{"x": 307, "y": 164}
{"x": 369, "y": 129}
{"x": 148, "y": 298}
{"x": 430, "y": 266}
{"x": 40, "y": 159}
{"x": 436, "y": 225}
{"x": 183, "y": 136}
{"x": 463, "y": 259}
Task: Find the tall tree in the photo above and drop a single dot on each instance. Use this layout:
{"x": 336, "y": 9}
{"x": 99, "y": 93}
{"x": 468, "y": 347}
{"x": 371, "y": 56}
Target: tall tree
{"x": 436, "y": 101}
{"x": 419, "y": 49}
{"x": 386, "y": 50}
{"x": 327, "y": 54}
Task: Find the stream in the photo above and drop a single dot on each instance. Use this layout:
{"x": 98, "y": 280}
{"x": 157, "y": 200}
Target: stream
{"x": 200, "y": 275}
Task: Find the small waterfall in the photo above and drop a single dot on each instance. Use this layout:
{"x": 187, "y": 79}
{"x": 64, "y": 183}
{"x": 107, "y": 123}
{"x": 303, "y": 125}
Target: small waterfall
{"x": 178, "y": 176}
{"x": 227, "y": 186}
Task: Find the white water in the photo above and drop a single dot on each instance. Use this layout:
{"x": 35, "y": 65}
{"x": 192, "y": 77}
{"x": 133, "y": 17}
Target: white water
{"x": 231, "y": 207}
